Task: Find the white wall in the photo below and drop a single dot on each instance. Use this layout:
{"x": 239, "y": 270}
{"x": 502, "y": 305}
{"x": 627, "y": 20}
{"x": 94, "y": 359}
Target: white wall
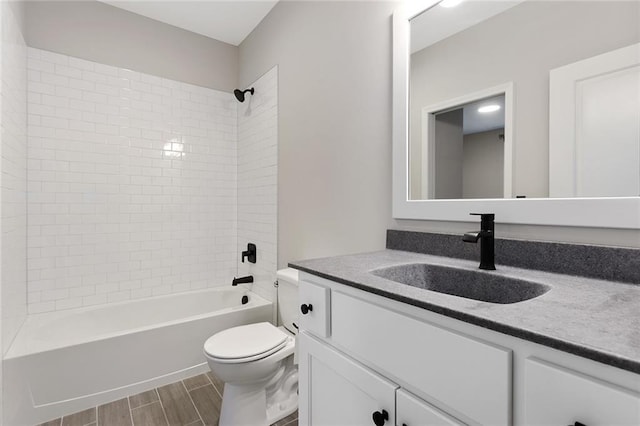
{"x": 132, "y": 184}
{"x": 13, "y": 176}
{"x": 258, "y": 181}
{"x": 334, "y": 160}
{"x": 102, "y": 33}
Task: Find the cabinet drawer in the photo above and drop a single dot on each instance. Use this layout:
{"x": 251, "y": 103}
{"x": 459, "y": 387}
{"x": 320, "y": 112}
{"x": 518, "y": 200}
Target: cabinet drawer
{"x": 315, "y": 316}
{"x": 412, "y": 411}
{"x": 461, "y": 375}
{"x": 554, "y": 395}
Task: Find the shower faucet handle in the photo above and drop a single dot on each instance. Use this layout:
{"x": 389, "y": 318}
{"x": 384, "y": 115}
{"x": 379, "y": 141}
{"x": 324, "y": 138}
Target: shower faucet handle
{"x": 250, "y": 253}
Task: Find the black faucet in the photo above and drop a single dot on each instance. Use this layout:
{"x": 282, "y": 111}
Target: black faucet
{"x": 242, "y": 280}
{"x": 486, "y": 235}
{"x": 250, "y": 253}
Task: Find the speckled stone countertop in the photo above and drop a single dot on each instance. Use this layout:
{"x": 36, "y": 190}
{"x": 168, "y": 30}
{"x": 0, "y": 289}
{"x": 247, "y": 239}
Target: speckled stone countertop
{"x": 592, "y": 318}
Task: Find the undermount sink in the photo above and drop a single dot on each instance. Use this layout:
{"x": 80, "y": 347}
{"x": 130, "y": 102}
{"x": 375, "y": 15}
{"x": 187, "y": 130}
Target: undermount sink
{"x": 477, "y": 285}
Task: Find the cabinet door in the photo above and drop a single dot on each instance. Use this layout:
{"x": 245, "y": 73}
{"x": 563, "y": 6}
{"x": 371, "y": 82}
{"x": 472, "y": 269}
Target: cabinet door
{"x": 315, "y": 312}
{"x": 554, "y": 395}
{"x": 412, "y": 411}
{"x": 336, "y": 390}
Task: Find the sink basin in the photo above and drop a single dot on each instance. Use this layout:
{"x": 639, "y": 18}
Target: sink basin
{"x": 476, "y": 285}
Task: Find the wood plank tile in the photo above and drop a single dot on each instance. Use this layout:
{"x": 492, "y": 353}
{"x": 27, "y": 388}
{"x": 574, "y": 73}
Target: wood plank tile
{"x": 149, "y": 415}
{"x": 196, "y": 382}
{"x": 143, "y": 398}
{"x": 292, "y": 423}
{"x": 80, "y": 418}
{"x": 285, "y": 421}
{"x": 115, "y": 413}
{"x": 219, "y": 384}
{"x": 55, "y": 422}
{"x": 196, "y": 423}
{"x": 177, "y": 404}
{"x": 208, "y": 402}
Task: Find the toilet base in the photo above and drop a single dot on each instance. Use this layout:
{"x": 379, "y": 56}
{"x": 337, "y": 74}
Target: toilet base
{"x": 262, "y": 403}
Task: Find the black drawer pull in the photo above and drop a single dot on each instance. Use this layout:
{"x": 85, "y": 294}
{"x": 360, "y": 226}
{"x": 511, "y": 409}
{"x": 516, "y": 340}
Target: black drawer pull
{"x": 380, "y": 417}
{"x": 305, "y": 309}
{"x": 578, "y": 424}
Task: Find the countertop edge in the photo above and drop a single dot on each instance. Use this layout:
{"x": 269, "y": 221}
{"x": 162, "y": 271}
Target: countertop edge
{"x": 554, "y": 343}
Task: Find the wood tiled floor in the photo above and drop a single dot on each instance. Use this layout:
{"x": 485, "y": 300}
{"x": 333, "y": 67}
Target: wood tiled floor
{"x": 190, "y": 402}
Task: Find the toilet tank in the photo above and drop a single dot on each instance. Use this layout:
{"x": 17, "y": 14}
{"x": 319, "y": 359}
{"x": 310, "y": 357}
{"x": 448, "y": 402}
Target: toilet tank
{"x": 288, "y": 298}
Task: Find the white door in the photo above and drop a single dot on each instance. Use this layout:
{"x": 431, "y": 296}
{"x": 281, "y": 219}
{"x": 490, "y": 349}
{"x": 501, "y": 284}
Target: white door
{"x": 336, "y": 390}
{"x": 594, "y": 126}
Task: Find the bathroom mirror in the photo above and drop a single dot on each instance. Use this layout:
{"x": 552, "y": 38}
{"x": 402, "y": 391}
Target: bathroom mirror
{"x": 446, "y": 54}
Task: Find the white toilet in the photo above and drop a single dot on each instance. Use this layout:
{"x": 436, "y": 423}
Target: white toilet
{"x": 256, "y": 362}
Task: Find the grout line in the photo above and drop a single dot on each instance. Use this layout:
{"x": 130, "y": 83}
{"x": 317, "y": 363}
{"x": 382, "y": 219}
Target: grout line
{"x": 162, "y": 406}
{"x": 209, "y": 379}
{"x": 96, "y": 422}
{"x": 192, "y": 403}
{"x": 143, "y": 405}
{"x": 198, "y": 387}
{"x": 130, "y": 413}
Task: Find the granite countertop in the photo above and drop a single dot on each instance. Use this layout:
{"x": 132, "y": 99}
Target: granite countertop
{"x": 592, "y": 318}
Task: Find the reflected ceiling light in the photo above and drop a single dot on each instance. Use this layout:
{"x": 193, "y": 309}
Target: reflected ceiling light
{"x": 488, "y": 108}
{"x": 450, "y": 3}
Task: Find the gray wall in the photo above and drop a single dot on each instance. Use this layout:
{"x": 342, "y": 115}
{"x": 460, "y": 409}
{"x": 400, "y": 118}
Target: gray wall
{"x": 335, "y": 132}
{"x": 102, "y": 33}
{"x": 483, "y": 165}
{"x": 449, "y": 157}
{"x": 334, "y": 163}
{"x": 521, "y": 45}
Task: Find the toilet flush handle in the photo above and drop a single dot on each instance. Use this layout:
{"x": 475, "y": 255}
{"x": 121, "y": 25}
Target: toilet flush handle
{"x": 305, "y": 309}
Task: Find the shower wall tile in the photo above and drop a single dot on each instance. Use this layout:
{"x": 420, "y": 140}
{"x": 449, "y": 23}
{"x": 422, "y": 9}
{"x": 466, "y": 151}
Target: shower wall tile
{"x": 13, "y": 177}
{"x": 132, "y": 184}
{"x": 258, "y": 181}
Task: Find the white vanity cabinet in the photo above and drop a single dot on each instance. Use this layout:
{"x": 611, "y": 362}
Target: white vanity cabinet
{"x": 361, "y": 354}
{"x": 339, "y": 391}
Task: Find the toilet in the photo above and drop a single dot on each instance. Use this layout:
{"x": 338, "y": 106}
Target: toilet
{"x": 256, "y": 363}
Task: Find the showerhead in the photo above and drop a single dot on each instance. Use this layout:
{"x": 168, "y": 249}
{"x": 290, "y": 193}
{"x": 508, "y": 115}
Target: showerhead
{"x": 240, "y": 93}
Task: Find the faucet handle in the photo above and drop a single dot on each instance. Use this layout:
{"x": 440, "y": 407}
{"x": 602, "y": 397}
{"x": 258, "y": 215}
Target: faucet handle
{"x": 484, "y": 216}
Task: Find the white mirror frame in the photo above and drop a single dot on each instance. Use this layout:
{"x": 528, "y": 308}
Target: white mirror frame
{"x": 609, "y": 212}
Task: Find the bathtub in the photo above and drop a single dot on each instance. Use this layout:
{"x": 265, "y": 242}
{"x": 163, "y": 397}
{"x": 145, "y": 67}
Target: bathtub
{"x": 67, "y": 361}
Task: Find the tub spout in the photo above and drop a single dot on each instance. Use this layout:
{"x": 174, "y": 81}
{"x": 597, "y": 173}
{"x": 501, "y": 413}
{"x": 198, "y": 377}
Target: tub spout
{"x": 242, "y": 280}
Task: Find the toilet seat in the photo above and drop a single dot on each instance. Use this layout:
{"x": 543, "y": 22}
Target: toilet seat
{"x": 245, "y": 343}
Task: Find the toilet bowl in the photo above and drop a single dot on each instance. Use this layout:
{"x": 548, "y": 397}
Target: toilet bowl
{"x": 256, "y": 363}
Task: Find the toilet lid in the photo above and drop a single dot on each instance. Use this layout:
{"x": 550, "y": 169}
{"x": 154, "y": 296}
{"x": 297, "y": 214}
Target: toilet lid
{"x": 245, "y": 341}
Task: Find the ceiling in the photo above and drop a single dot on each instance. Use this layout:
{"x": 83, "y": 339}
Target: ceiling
{"x": 230, "y": 21}
{"x": 475, "y": 122}
{"x": 437, "y": 22}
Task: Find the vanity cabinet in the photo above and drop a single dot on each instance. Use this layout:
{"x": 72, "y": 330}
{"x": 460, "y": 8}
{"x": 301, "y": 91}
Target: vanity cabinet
{"x": 362, "y": 354}
{"x": 338, "y": 390}
{"x": 556, "y": 396}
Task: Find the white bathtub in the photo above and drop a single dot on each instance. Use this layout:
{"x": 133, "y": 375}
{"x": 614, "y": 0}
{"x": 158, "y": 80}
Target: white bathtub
{"x": 63, "y": 362}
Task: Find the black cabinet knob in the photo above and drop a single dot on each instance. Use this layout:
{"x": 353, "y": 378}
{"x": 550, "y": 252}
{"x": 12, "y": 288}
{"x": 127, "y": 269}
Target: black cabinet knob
{"x": 379, "y": 417}
{"x": 305, "y": 309}
{"x": 578, "y": 424}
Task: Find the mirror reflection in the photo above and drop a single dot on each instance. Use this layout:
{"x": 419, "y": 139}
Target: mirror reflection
{"x": 574, "y": 67}
{"x": 468, "y": 151}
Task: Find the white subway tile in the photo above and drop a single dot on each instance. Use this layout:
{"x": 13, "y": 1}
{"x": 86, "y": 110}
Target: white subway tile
{"x": 133, "y": 217}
